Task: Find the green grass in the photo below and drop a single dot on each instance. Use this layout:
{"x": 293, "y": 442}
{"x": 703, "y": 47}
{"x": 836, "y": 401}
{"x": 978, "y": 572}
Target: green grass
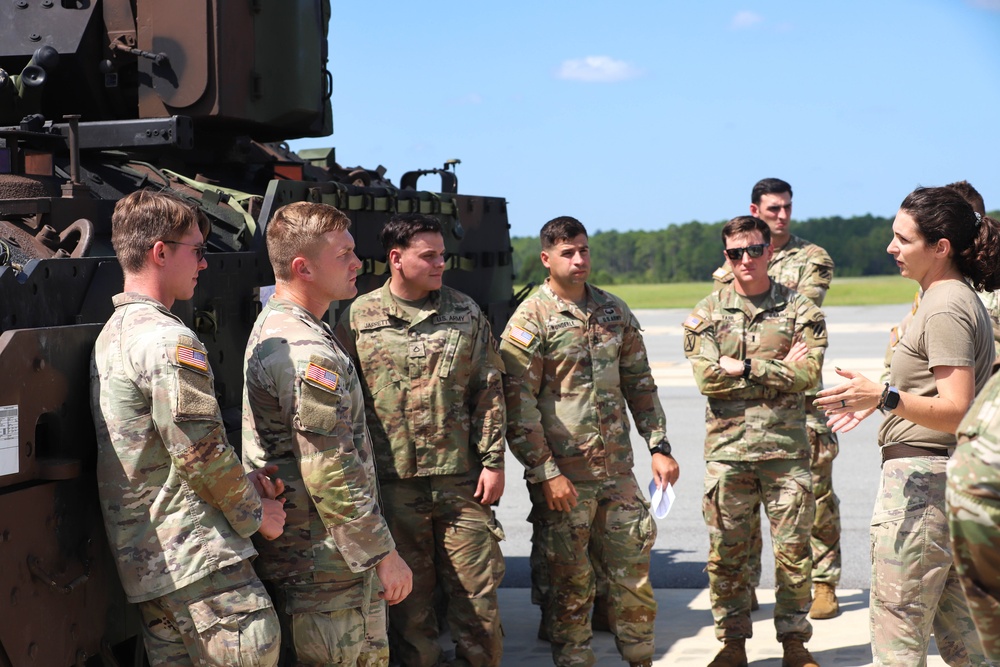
{"x": 867, "y": 291}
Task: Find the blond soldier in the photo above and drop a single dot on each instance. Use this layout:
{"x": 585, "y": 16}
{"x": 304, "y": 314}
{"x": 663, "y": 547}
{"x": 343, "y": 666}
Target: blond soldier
{"x": 755, "y": 347}
{"x": 808, "y": 269}
{"x": 973, "y": 501}
{"x": 434, "y": 401}
{"x": 575, "y": 362}
{"x": 303, "y": 411}
{"x": 177, "y": 506}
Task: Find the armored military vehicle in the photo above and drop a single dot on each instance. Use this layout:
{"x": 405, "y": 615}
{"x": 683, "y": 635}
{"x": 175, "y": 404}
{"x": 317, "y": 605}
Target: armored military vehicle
{"x": 99, "y": 98}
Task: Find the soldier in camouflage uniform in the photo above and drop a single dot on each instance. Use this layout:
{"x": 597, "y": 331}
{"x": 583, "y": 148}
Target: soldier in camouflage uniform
{"x": 973, "y": 500}
{"x": 808, "y": 269}
{"x": 755, "y": 347}
{"x": 574, "y": 360}
{"x": 335, "y": 566}
{"x": 177, "y": 506}
{"x": 434, "y": 403}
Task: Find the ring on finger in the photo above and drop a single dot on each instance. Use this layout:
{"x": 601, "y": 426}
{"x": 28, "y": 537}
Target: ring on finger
{"x": 843, "y": 403}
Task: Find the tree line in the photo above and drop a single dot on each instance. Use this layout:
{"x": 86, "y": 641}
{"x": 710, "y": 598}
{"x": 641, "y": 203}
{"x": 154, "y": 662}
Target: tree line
{"x": 692, "y": 251}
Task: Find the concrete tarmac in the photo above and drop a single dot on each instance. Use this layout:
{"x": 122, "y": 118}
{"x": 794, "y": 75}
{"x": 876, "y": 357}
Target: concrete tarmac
{"x": 684, "y": 634}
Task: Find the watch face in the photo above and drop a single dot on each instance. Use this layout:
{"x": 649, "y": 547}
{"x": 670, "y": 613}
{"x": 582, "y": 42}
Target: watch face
{"x": 892, "y": 399}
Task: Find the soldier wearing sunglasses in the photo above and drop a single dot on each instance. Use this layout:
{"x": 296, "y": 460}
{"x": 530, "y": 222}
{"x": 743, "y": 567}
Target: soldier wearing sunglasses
{"x": 756, "y": 346}
{"x": 806, "y": 268}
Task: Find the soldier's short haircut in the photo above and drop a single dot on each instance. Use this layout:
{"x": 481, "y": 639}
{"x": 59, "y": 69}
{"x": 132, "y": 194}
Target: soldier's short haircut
{"x": 769, "y": 186}
{"x": 559, "y": 229}
{"x": 294, "y": 230}
{"x": 146, "y": 216}
{"x": 402, "y": 227}
{"x": 744, "y": 224}
{"x": 970, "y": 194}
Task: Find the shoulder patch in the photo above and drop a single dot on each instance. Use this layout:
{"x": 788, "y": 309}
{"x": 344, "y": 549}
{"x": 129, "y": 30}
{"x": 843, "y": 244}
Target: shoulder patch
{"x": 721, "y": 274}
{"x": 322, "y": 377}
{"x": 522, "y": 337}
{"x": 694, "y": 323}
{"x": 192, "y": 358}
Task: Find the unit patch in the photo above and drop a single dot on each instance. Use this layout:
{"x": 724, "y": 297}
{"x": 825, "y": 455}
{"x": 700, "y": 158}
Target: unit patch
{"x": 196, "y": 359}
{"x": 522, "y": 337}
{"x": 322, "y": 377}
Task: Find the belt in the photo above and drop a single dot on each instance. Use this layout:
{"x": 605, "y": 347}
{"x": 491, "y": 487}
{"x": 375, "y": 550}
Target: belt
{"x": 901, "y": 450}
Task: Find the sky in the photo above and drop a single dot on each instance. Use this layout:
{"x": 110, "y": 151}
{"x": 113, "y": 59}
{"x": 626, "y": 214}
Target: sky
{"x": 639, "y": 114}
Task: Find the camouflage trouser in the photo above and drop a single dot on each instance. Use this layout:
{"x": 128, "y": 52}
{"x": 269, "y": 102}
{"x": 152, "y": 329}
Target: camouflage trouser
{"x": 221, "y": 620}
{"x": 915, "y": 589}
{"x": 732, "y": 489}
{"x": 333, "y": 619}
{"x": 825, "y": 542}
{"x": 973, "y": 498}
{"x": 614, "y": 512}
{"x": 446, "y": 536}
{"x": 540, "y": 568}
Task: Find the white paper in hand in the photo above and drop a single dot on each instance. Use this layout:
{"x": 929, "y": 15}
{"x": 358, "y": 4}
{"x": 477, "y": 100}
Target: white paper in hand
{"x": 661, "y": 500}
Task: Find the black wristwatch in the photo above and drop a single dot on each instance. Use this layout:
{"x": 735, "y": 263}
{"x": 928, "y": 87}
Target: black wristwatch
{"x": 661, "y": 448}
{"x": 891, "y": 399}
{"x": 747, "y": 367}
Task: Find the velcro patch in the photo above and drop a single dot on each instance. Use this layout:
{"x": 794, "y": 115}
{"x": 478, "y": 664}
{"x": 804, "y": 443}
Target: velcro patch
{"x": 522, "y": 337}
{"x": 452, "y": 318}
{"x": 375, "y": 324}
{"x": 693, "y": 322}
{"x": 192, "y": 358}
{"x": 322, "y": 377}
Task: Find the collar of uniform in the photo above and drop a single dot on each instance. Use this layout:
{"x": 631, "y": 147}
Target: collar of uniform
{"x": 733, "y": 300}
{"x": 128, "y": 298}
{"x": 389, "y": 304}
{"x": 794, "y": 245}
{"x": 594, "y": 299}
{"x": 289, "y": 307}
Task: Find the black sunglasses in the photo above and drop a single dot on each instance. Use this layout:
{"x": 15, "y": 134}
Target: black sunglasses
{"x": 201, "y": 248}
{"x": 755, "y": 251}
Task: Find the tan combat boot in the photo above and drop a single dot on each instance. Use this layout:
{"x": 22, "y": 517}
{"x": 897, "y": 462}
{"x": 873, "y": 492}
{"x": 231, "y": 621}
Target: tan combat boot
{"x": 796, "y": 655}
{"x": 733, "y": 654}
{"x": 824, "y": 603}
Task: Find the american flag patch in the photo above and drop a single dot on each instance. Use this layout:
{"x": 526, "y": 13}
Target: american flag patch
{"x": 191, "y": 357}
{"x": 322, "y": 377}
{"x": 693, "y": 322}
{"x": 520, "y": 336}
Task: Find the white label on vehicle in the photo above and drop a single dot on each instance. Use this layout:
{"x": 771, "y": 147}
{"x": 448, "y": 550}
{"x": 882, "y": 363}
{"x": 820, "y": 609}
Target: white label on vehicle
{"x": 9, "y": 463}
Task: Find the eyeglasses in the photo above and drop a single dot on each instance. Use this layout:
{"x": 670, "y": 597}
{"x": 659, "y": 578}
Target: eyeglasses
{"x": 755, "y": 251}
{"x": 200, "y": 248}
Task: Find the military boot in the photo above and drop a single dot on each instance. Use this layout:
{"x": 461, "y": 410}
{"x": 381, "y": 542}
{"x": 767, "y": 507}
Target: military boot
{"x": 796, "y": 655}
{"x": 824, "y": 604}
{"x": 733, "y": 654}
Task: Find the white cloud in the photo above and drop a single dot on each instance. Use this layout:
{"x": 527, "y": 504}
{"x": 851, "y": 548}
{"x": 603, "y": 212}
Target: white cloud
{"x": 596, "y": 69}
{"x": 992, "y": 5}
{"x": 745, "y": 19}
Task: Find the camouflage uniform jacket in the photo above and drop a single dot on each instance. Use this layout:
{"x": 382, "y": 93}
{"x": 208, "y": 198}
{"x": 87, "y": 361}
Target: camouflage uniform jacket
{"x": 176, "y": 502}
{"x": 569, "y": 377}
{"x": 762, "y": 417}
{"x": 433, "y": 387}
{"x": 303, "y": 410}
{"x": 973, "y": 499}
{"x": 808, "y": 269}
